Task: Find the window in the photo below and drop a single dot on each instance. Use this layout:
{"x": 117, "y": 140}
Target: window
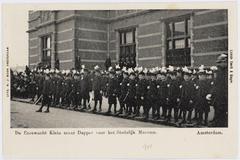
{"x": 127, "y": 48}
{"x": 46, "y": 50}
{"x": 178, "y": 42}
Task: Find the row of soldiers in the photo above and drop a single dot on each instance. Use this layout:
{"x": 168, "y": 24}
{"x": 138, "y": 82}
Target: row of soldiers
{"x": 168, "y": 93}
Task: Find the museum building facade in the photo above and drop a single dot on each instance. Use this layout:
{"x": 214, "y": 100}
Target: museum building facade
{"x": 68, "y": 38}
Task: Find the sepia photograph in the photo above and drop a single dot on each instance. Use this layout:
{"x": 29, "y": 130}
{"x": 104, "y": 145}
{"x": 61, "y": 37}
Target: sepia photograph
{"x": 123, "y": 68}
{"x": 120, "y": 80}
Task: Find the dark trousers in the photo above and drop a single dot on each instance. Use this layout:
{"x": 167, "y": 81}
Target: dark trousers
{"x": 76, "y": 99}
{"x": 131, "y": 107}
{"x": 46, "y": 101}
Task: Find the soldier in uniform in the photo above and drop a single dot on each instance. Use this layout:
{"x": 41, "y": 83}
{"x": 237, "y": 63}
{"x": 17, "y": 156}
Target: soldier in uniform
{"x": 32, "y": 87}
{"x": 119, "y": 78}
{"x": 76, "y": 90}
{"x": 162, "y": 93}
{"x": 179, "y": 79}
{"x": 46, "y": 92}
{"x": 140, "y": 92}
{"x": 194, "y": 79}
{"x": 123, "y": 91}
{"x": 58, "y": 88}
{"x": 53, "y": 87}
{"x": 131, "y": 91}
{"x": 62, "y": 89}
{"x": 67, "y": 89}
{"x": 219, "y": 95}
{"x": 151, "y": 95}
{"x": 39, "y": 87}
{"x": 173, "y": 94}
{"x": 202, "y": 89}
{"x": 187, "y": 95}
{"x": 85, "y": 87}
{"x": 112, "y": 91}
{"x": 97, "y": 89}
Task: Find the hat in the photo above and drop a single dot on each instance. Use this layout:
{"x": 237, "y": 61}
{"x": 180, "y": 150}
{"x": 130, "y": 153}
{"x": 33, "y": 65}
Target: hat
{"x": 110, "y": 68}
{"x": 141, "y": 73}
{"x": 57, "y": 71}
{"x": 186, "y": 71}
{"x": 222, "y": 58}
{"x": 152, "y": 72}
{"x": 171, "y": 70}
{"x": 214, "y": 68}
{"x": 97, "y": 68}
{"x": 117, "y": 67}
{"x": 178, "y": 69}
{"x": 209, "y": 72}
{"x": 130, "y": 70}
{"x": 81, "y": 71}
{"x": 145, "y": 71}
{"x": 83, "y": 66}
{"x": 194, "y": 72}
{"x": 201, "y": 70}
{"x": 51, "y": 71}
{"x": 163, "y": 71}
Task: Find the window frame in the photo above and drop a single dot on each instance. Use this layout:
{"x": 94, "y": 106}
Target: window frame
{"x": 124, "y": 46}
{"x": 45, "y": 48}
{"x": 178, "y": 56}
{"x": 172, "y": 37}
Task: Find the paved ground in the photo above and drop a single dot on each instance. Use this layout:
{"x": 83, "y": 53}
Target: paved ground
{"x": 23, "y": 115}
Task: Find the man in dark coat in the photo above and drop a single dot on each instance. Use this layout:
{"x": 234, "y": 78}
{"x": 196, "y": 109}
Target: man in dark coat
{"x": 141, "y": 88}
{"x": 123, "y": 92}
{"x": 59, "y": 88}
{"x": 39, "y": 86}
{"x": 202, "y": 90}
{"x": 75, "y": 91}
{"x": 46, "y": 92}
{"x": 67, "y": 90}
{"x": 161, "y": 94}
{"x": 112, "y": 91}
{"x": 173, "y": 94}
{"x": 187, "y": 96}
{"x": 220, "y": 93}
{"x": 97, "y": 88}
{"x": 119, "y": 78}
{"x": 130, "y": 96}
{"x": 85, "y": 87}
{"x": 32, "y": 87}
{"x": 151, "y": 97}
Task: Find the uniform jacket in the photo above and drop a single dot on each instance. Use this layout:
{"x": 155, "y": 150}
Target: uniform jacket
{"x": 97, "y": 83}
{"x": 151, "y": 90}
{"x": 131, "y": 89}
{"x": 141, "y": 88}
{"x": 112, "y": 87}
{"x": 187, "y": 92}
{"x": 47, "y": 88}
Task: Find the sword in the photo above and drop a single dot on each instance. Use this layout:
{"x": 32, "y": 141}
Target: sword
{"x": 38, "y": 99}
{"x": 126, "y": 97}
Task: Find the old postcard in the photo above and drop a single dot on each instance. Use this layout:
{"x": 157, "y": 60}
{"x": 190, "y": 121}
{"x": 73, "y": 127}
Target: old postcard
{"x": 123, "y": 80}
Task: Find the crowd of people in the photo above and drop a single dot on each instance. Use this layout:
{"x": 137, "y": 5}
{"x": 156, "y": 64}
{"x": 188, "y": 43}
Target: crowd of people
{"x": 180, "y": 94}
